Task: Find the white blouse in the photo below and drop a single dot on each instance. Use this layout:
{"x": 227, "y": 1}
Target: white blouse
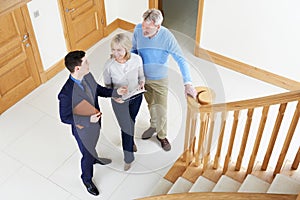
{"x": 124, "y": 74}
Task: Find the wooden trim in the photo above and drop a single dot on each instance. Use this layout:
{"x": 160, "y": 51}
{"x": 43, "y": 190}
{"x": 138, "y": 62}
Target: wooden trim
{"x": 155, "y": 4}
{"x": 237, "y": 66}
{"x": 199, "y": 22}
{"x": 126, "y": 25}
{"x": 111, "y": 27}
{"x": 248, "y": 70}
{"x": 55, "y": 69}
{"x": 223, "y": 195}
{"x": 34, "y": 45}
{"x": 11, "y": 5}
{"x": 64, "y": 24}
{"x": 118, "y": 23}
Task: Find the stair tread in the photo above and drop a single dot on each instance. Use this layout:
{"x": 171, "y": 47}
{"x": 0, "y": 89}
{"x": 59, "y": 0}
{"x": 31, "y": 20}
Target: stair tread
{"x": 284, "y": 185}
{"x": 181, "y": 185}
{"x": 254, "y": 185}
{"x": 226, "y": 184}
{"x": 162, "y": 187}
{"x": 202, "y": 184}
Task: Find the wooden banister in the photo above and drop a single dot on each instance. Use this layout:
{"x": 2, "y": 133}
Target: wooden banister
{"x": 222, "y": 196}
{"x": 252, "y": 103}
{"x": 220, "y": 140}
{"x": 277, "y": 125}
{"x": 288, "y": 139}
{"x": 258, "y": 138}
{"x": 244, "y": 140}
{"x": 207, "y": 118}
{"x": 296, "y": 160}
{"x": 231, "y": 140}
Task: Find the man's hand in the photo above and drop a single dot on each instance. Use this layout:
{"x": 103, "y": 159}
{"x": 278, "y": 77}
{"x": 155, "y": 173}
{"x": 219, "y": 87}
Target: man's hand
{"x": 142, "y": 85}
{"x": 122, "y": 90}
{"x": 190, "y": 90}
{"x": 95, "y": 118}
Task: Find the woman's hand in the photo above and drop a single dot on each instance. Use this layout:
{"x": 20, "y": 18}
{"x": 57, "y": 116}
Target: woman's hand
{"x": 122, "y": 90}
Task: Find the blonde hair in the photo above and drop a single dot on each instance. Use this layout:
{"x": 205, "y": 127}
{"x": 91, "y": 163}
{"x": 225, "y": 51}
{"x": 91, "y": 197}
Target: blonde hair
{"x": 124, "y": 41}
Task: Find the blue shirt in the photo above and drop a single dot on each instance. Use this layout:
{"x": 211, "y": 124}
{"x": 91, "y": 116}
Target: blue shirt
{"x": 155, "y": 51}
{"x": 78, "y": 82}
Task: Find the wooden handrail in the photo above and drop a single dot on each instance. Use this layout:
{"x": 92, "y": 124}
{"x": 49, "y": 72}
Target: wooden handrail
{"x": 206, "y": 121}
{"x": 222, "y": 196}
{"x": 252, "y": 103}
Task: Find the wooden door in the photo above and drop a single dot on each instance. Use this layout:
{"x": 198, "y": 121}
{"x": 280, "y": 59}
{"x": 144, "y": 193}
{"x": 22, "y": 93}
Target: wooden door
{"x": 18, "y": 70}
{"x": 83, "y": 22}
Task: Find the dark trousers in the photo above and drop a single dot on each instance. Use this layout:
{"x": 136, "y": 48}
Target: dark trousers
{"x": 126, "y": 113}
{"x": 87, "y": 139}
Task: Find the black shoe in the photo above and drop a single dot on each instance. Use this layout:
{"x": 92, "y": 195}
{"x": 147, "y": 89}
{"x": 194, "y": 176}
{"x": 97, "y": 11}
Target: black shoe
{"x": 148, "y": 133}
{"x": 91, "y": 188}
{"x": 164, "y": 144}
{"x": 103, "y": 161}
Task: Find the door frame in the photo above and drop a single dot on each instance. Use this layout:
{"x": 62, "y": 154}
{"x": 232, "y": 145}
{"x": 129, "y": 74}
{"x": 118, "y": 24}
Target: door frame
{"x": 64, "y": 23}
{"x": 155, "y": 4}
{"x": 34, "y": 45}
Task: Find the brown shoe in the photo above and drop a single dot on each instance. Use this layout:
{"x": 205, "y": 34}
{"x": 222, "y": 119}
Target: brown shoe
{"x": 164, "y": 144}
{"x": 127, "y": 166}
{"x": 148, "y": 133}
{"x": 134, "y": 148}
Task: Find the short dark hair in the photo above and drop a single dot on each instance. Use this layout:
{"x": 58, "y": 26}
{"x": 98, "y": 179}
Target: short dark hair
{"x": 73, "y": 59}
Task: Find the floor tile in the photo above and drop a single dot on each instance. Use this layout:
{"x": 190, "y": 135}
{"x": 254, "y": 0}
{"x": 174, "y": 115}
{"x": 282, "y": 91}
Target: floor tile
{"x": 16, "y": 121}
{"x": 27, "y": 184}
{"x": 44, "y": 147}
{"x": 105, "y": 178}
{"x": 47, "y": 101}
{"x": 136, "y": 185}
{"x": 8, "y": 167}
{"x": 40, "y": 157}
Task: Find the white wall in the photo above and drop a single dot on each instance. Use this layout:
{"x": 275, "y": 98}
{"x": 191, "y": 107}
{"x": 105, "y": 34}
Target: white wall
{"x": 264, "y": 34}
{"x": 111, "y": 10}
{"x": 135, "y": 10}
{"x": 49, "y": 31}
{"x": 128, "y": 10}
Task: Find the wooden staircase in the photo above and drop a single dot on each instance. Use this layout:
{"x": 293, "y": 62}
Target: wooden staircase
{"x": 239, "y": 150}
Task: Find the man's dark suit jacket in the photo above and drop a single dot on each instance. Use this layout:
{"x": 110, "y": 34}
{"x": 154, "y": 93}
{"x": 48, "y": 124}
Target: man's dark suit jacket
{"x": 71, "y": 94}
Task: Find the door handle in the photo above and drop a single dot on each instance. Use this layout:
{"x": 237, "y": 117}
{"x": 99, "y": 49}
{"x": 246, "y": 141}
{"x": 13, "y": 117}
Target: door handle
{"x": 25, "y": 37}
{"x": 70, "y": 10}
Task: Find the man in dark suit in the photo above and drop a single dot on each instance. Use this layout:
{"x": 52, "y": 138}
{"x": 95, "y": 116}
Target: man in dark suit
{"x": 82, "y": 87}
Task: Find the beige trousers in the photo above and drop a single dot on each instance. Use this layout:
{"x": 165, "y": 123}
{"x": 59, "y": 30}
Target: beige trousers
{"x": 156, "y": 97}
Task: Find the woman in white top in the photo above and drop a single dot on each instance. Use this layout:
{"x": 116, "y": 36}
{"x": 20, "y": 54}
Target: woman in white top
{"x": 124, "y": 68}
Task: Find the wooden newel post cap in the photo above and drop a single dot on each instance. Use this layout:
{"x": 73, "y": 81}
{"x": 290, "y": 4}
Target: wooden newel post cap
{"x": 205, "y": 95}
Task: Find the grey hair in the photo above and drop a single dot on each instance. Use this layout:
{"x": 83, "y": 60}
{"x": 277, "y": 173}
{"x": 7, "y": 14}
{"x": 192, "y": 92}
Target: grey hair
{"x": 153, "y": 15}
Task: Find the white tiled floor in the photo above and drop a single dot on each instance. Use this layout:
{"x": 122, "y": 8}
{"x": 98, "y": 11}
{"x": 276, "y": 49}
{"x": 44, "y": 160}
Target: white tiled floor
{"x": 39, "y": 156}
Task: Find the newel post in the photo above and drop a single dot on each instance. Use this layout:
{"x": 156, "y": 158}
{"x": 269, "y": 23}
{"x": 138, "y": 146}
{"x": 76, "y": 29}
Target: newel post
{"x": 205, "y": 96}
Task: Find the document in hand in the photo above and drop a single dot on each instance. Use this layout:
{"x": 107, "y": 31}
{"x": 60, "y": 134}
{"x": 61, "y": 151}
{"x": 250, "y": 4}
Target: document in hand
{"x": 133, "y": 94}
{"x": 84, "y": 108}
